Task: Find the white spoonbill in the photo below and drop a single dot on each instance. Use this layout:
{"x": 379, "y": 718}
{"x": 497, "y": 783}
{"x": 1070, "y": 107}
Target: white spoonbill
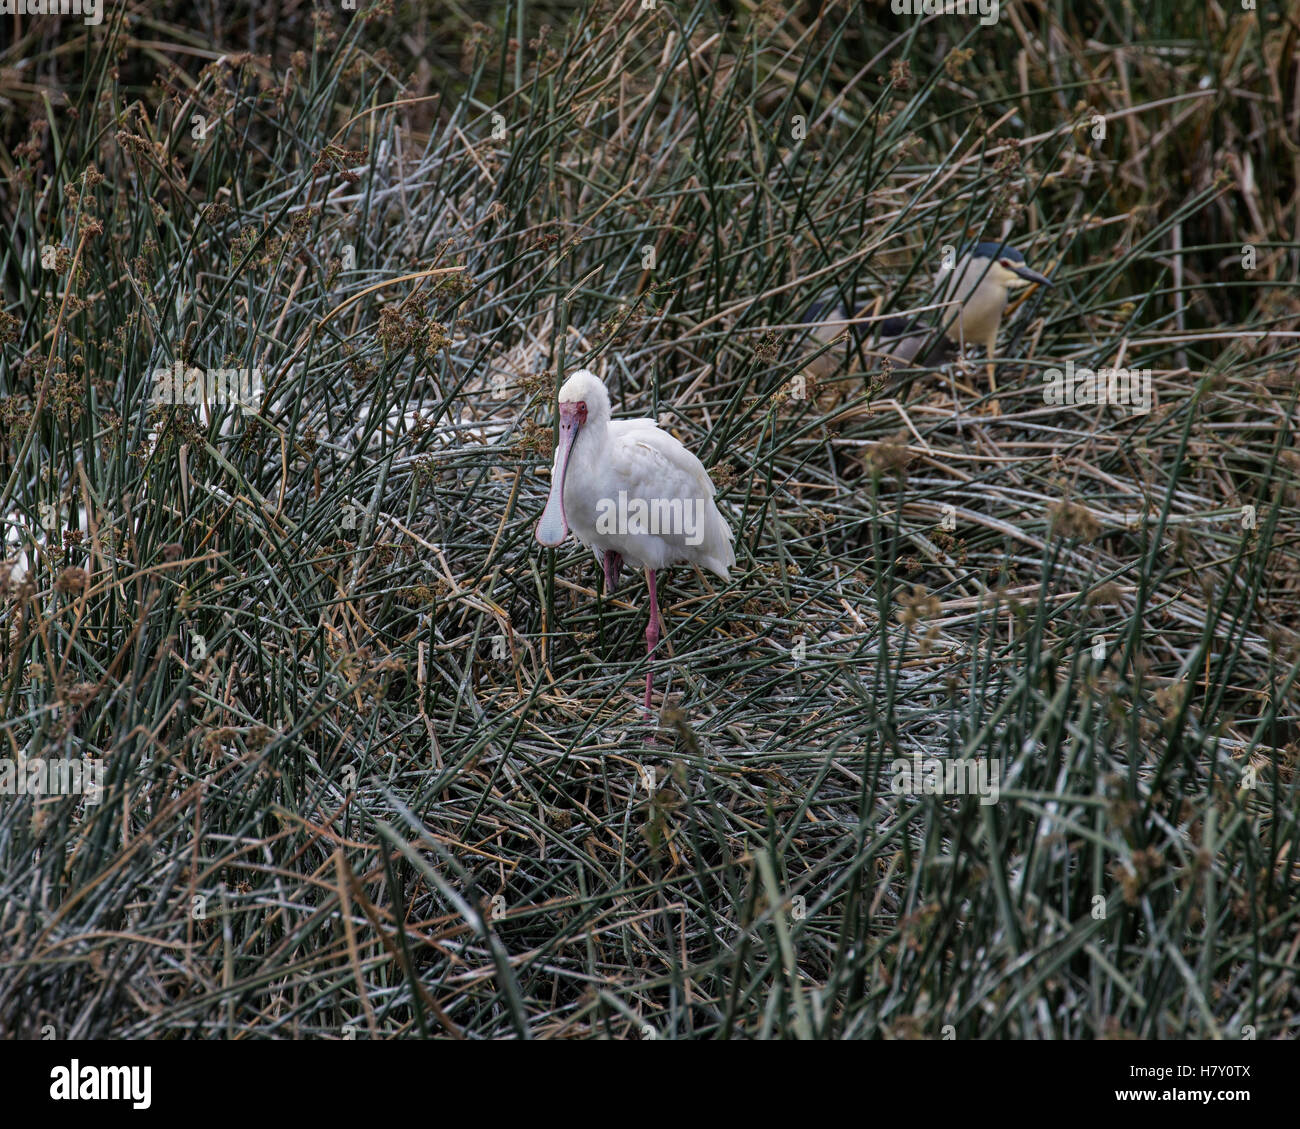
{"x": 632, "y": 494}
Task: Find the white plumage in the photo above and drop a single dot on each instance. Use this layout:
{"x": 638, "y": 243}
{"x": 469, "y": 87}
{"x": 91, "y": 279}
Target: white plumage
{"x": 632, "y": 494}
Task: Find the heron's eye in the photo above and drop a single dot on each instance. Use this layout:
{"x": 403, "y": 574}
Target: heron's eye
{"x": 1006, "y": 263}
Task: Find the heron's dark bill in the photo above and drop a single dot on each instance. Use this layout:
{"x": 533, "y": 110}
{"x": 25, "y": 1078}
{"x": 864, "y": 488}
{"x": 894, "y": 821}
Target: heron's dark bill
{"x": 554, "y": 525}
{"x": 1033, "y": 276}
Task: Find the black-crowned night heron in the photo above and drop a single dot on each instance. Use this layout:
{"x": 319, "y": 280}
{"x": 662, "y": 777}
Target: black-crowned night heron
{"x": 974, "y": 292}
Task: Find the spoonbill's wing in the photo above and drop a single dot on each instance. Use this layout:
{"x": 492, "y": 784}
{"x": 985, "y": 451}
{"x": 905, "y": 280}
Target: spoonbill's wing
{"x": 650, "y": 463}
{"x": 663, "y": 451}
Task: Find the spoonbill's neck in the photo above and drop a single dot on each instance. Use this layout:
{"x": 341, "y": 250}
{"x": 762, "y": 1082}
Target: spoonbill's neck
{"x": 590, "y": 443}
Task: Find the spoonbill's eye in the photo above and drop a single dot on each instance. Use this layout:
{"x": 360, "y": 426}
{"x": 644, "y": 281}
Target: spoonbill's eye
{"x": 582, "y": 411}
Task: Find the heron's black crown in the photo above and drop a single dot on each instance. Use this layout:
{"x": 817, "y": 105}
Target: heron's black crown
{"x": 989, "y": 250}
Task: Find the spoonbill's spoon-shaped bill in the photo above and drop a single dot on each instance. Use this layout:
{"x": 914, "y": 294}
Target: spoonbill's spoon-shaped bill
{"x": 554, "y": 528}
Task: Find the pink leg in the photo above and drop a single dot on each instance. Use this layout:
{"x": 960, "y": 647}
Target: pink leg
{"x": 651, "y": 637}
{"x": 613, "y": 562}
